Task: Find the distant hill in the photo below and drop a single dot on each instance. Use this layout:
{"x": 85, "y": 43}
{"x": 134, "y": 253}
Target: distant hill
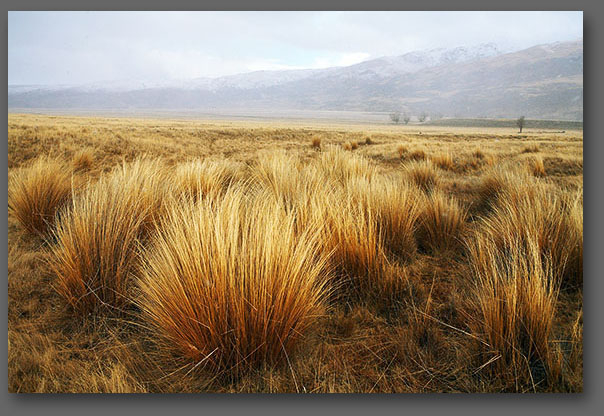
{"x": 542, "y": 82}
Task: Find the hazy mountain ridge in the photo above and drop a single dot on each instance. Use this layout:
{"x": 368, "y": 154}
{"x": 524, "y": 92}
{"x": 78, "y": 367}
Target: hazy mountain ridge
{"x": 544, "y": 81}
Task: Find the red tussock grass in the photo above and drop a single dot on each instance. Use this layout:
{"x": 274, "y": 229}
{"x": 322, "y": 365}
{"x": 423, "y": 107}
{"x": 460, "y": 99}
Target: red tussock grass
{"x": 37, "y": 192}
{"x": 231, "y": 288}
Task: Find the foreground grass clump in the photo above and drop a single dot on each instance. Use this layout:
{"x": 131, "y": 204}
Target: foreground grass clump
{"x": 515, "y": 296}
{"x": 203, "y": 178}
{"x": 98, "y": 234}
{"x": 553, "y": 223}
{"x": 342, "y": 166}
{"x": 537, "y": 167}
{"x": 401, "y": 316}
{"x": 443, "y": 161}
{"x": 83, "y": 160}
{"x": 37, "y": 192}
{"x": 441, "y": 223}
{"x": 501, "y": 181}
{"x": 423, "y": 174}
{"x": 231, "y": 287}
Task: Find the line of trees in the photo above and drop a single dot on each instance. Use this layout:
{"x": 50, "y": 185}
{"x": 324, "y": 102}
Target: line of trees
{"x": 396, "y": 118}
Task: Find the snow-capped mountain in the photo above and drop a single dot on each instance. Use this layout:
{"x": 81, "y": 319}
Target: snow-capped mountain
{"x": 545, "y": 81}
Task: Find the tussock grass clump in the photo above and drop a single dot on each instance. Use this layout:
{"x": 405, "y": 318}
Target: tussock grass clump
{"x": 417, "y": 154}
{"x": 500, "y": 180}
{"x": 341, "y": 166}
{"x": 98, "y": 234}
{"x": 316, "y": 143}
{"x": 369, "y": 141}
{"x": 537, "y": 167}
{"x": 397, "y": 207}
{"x": 553, "y": 223}
{"x": 203, "y": 178}
{"x": 443, "y": 161}
{"x": 533, "y": 148}
{"x": 478, "y": 154}
{"x": 83, "y": 160}
{"x": 441, "y": 223}
{"x": 354, "y": 145}
{"x": 37, "y": 192}
{"x": 401, "y": 150}
{"x": 515, "y": 295}
{"x": 231, "y": 287}
{"x": 279, "y": 173}
{"x": 368, "y": 221}
{"x": 355, "y": 240}
{"x": 423, "y": 175}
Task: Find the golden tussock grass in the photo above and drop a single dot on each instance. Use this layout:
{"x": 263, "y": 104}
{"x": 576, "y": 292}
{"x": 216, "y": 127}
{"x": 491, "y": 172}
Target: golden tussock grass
{"x": 540, "y": 217}
{"x": 533, "y": 148}
{"x": 37, "y": 192}
{"x": 230, "y": 287}
{"x": 240, "y": 259}
{"x": 203, "y": 178}
{"x": 398, "y": 208}
{"x": 401, "y": 150}
{"x": 441, "y": 222}
{"x": 417, "y": 154}
{"x": 515, "y": 295}
{"x": 537, "y": 167}
{"x": 316, "y": 143}
{"x": 499, "y": 180}
{"x": 354, "y": 238}
{"x": 423, "y": 174}
{"x": 341, "y": 166}
{"x": 83, "y": 160}
{"x": 96, "y": 239}
{"x": 443, "y": 161}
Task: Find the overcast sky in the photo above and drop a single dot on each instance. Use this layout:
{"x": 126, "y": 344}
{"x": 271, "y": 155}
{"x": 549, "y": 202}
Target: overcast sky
{"x": 88, "y": 47}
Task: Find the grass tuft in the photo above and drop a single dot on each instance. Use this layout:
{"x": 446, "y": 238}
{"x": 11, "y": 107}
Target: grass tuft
{"x": 37, "y": 192}
{"x": 423, "y": 175}
{"x": 231, "y": 288}
{"x": 97, "y": 237}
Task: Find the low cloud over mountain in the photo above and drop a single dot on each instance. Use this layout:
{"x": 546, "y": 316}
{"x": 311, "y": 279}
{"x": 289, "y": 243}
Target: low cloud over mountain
{"x": 544, "y": 81}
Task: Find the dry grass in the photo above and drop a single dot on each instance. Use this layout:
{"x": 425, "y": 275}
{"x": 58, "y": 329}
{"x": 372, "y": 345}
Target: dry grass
{"x": 83, "y": 160}
{"x": 540, "y": 217}
{"x": 230, "y": 287}
{"x": 98, "y": 234}
{"x": 36, "y": 192}
{"x": 401, "y": 150}
{"x": 441, "y": 223}
{"x": 203, "y": 178}
{"x": 417, "y": 154}
{"x": 478, "y": 154}
{"x": 264, "y": 265}
{"x": 423, "y": 175}
{"x": 443, "y": 161}
{"x": 316, "y": 143}
{"x": 533, "y": 148}
{"x": 537, "y": 167}
{"x": 515, "y": 295}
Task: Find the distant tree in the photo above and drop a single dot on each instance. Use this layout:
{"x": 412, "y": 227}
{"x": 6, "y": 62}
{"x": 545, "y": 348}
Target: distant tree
{"x": 520, "y": 123}
{"x": 395, "y": 117}
{"x": 406, "y": 119}
{"x": 422, "y": 117}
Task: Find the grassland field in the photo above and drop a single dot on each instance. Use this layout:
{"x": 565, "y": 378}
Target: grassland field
{"x": 176, "y": 255}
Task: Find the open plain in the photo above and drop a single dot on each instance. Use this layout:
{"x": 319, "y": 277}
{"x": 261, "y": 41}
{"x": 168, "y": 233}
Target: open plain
{"x": 176, "y": 255}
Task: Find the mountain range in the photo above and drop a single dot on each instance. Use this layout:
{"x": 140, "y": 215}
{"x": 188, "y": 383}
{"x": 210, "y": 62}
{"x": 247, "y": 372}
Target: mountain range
{"x": 544, "y": 81}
